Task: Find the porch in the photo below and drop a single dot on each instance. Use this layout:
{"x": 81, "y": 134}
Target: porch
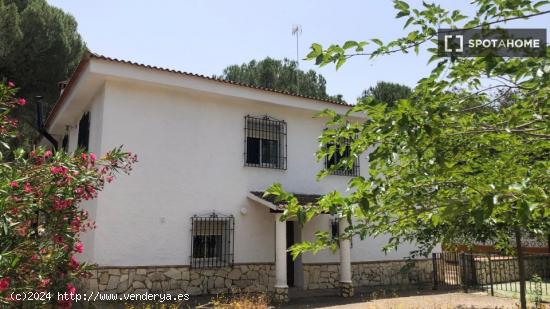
{"x": 288, "y": 272}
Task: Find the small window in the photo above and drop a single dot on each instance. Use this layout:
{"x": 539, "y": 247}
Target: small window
{"x": 337, "y": 158}
{"x": 84, "y": 132}
{"x": 265, "y": 142}
{"x": 212, "y": 241}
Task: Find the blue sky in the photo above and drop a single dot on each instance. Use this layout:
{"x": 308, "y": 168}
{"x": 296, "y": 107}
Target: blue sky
{"x": 204, "y": 36}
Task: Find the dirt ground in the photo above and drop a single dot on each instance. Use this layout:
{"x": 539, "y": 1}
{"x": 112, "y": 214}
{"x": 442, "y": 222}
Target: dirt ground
{"x": 404, "y": 300}
{"x": 450, "y": 300}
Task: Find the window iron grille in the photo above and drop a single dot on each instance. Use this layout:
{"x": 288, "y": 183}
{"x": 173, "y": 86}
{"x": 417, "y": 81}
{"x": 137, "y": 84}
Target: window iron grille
{"x": 212, "y": 240}
{"x": 265, "y": 142}
{"x": 336, "y": 158}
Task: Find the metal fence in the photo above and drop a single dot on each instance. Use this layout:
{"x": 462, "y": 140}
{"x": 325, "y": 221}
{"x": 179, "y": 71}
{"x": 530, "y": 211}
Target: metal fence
{"x": 494, "y": 273}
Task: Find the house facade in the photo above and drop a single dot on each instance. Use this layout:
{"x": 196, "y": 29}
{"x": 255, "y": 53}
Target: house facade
{"x": 192, "y": 217}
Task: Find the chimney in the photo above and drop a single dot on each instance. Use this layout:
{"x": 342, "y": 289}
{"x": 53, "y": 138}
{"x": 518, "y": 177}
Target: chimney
{"x": 62, "y": 85}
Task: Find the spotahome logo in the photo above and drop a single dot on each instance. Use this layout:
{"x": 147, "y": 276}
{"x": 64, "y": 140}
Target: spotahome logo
{"x": 497, "y": 42}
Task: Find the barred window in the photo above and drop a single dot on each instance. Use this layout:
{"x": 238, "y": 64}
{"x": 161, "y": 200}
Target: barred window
{"x": 265, "y": 142}
{"x": 336, "y": 158}
{"x": 212, "y": 242}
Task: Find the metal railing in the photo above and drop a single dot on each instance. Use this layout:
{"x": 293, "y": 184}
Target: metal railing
{"x": 494, "y": 273}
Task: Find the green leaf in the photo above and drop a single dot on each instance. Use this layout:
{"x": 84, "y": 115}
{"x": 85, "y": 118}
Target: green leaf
{"x": 340, "y": 62}
{"x": 377, "y": 42}
{"x": 409, "y": 21}
{"x": 401, "y": 5}
{"x": 540, "y": 3}
{"x": 403, "y": 14}
{"x": 349, "y": 44}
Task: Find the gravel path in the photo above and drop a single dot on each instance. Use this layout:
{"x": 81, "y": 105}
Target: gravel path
{"x": 450, "y": 300}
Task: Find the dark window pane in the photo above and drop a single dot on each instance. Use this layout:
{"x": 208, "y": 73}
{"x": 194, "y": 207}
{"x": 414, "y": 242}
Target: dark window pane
{"x": 253, "y": 150}
{"x": 198, "y": 246}
{"x": 84, "y": 132}
{"x": 265, "y": 142}
{"x": 269, "y": 151}
{"x": 334, "y": 228}
{"x": 337, "y": 158}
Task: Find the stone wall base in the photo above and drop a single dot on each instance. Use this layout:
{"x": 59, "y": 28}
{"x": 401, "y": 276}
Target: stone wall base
{"x": 346, "y": 289}
{"x": 281, "y": 295}
{"x": 182, "y": 279}
{"x": 249, "y": 278}
{"x": 378, "y": 273}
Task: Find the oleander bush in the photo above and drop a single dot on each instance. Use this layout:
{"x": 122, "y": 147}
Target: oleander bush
{"x": 41, "y": 215}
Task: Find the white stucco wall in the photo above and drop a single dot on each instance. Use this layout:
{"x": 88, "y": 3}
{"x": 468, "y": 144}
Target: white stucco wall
{"x": 189, "y": 136}
{"x": 190, "y": 147}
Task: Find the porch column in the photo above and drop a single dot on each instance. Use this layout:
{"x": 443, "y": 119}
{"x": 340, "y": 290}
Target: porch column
{"x": 281, "y": 287}
{"x": 346, "y": 283}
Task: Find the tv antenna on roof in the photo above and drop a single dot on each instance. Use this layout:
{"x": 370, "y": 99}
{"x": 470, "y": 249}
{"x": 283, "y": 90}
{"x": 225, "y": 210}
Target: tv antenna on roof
{"x": 297, "y": 31}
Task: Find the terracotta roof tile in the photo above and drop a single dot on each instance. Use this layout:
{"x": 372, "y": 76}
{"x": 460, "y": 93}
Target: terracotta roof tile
{"x": 97, "y": 56}
{"x": 86, "y": 58}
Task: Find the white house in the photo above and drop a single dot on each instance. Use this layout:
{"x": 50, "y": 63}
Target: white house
{"x": 191, "y": 216}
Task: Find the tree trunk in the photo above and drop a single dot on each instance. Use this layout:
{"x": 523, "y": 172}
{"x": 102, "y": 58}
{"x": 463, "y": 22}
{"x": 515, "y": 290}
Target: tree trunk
{"x": 521, "y": 267}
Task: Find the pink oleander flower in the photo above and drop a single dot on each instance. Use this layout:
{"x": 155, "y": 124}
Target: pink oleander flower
{"x": 74, "y": 262}
{"x": 44, "y": 282}
{"x": 11, "y": 84}
{"x": 59, "y": 170}
{"x": 58, "y": 239}
{"x": 4, "y": 284}
{"x": 71, "y": 289}
{"x": 79, "y": 247}
{"x": 93, "y": 156}
{"x": 21, "y": 101}
{"x": 27, "y": 188}
{"x": 48, "y": 154}
{"x": 59, "y": 204}
{"x": 84, "y": 157}
{"x": 75, "y": 224}
{"x": 34, "y": 258}
{"x": 14, "y": 184}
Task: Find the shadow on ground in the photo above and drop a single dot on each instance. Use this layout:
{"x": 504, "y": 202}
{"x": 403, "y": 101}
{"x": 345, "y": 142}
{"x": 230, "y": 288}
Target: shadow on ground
{"x": 372, "y": 298}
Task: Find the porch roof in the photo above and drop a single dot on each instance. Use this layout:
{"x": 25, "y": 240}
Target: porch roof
{"x": 269, "y": 201}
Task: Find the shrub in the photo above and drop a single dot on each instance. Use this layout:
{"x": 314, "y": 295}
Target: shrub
{"x": 40, "y": 217}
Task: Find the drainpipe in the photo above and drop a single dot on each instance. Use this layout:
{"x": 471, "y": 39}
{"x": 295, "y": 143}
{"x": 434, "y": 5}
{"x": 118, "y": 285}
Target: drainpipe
{"x": 40, "y": 123}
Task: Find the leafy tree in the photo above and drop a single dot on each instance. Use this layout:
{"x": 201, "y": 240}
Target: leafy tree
{"x": 445, "y": 165}
{"x": 40, "y": 215}
{"x": 283, "y": 75}
{"x": 39, "y": 47}
{"x": 387, "y": 92}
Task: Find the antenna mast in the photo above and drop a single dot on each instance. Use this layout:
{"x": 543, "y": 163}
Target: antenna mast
{"x": 297, "y": 30}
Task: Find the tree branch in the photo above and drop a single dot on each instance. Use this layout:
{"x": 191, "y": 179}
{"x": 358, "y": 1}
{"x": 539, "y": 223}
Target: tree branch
{"x": 449, "y": 31}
